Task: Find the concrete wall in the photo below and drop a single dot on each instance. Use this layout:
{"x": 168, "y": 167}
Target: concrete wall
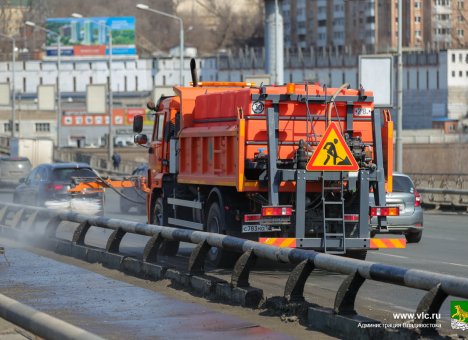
{"x": 435, "y": 158}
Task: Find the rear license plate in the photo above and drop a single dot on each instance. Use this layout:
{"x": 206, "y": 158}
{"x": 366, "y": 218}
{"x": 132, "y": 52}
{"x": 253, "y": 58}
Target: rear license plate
{"x": 256, "y": 228}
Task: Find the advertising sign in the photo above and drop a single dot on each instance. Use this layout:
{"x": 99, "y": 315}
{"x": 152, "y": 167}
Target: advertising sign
{"x": 376, "y": 73}
{"x": 85, "y": 37}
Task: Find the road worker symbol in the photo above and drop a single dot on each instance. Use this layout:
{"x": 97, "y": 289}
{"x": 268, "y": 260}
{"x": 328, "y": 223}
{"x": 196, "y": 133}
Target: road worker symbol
{"x": 332, "y": 153}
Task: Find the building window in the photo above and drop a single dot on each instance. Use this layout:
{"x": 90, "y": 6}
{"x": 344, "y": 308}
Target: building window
{"x": 460, "y": 73}
{"x": 417, "y": 4}
{"x": 460, "y": 57}
{"x": 453, "y": 74}
{"x": 417, "y": 19}
{"x": 42, "y": 127}
{"x": 417, "y": 79}
{"x": 461, "y": 33}
{"x": 74, "y": 84}
{"x": 136, "y": 83}
{"x": 407, "y": 80}
{"x": 460, "y": 4}
{"x": 453, "y": 57}
{"x": 7, "y": 127}
{"x": 417, "y": 34}
{"x": 427, "y": 80}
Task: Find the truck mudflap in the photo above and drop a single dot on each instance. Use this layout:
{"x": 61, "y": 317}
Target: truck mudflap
{"x": 353, "y": 243}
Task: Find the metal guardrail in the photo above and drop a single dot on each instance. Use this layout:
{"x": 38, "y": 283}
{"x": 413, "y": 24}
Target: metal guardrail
{"x": 443, "y": 189}
{"x": 438, "y": 286}
{"x": 39, "y": 323}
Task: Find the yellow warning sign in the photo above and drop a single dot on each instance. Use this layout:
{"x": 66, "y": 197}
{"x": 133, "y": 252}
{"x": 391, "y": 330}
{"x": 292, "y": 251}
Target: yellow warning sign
{"x": 332, "y": 153}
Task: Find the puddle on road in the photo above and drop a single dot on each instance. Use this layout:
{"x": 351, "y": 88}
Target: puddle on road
{"x": 111, "y": 308}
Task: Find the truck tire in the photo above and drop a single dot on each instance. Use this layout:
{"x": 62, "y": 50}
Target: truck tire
{"x": 168, "y": 248}
{"x": 357, "y": 254}
{"x": 414, "y": 237}
{"x": 216, "y": 257}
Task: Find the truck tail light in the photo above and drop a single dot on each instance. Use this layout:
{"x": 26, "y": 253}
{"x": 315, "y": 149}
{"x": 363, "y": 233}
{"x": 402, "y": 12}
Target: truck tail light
{"x": 351, "y": 217}
{"x": 252, "y": 217}
{"x": 384, "y": 211}
{"x": 277, "y": 211}
{"x": 417, "y": 198}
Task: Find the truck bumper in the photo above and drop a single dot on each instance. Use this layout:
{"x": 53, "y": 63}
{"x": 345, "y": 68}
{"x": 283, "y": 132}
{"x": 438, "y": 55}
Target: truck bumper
{"x": 334, "y": 243}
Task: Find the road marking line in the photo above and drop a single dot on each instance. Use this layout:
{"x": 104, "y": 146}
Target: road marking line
{"x": 405, "y": 257}
{"x": 402, "y": 257}
{"x": 455, "y": 264}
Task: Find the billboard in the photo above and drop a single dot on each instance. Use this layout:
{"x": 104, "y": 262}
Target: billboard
{"x": 88, "y": 37}
{"x": 376, "y": 73}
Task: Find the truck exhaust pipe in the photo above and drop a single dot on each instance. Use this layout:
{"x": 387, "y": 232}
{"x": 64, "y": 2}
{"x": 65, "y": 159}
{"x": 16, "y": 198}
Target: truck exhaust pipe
{"x": 193, "y": 70}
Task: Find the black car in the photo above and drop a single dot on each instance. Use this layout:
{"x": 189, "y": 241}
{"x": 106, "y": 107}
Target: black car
{"x": 47, "y": 185}
{"x": 136, "y": 197}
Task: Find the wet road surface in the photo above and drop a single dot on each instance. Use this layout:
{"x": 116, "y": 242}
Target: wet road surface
{"x": 111, "y": 308}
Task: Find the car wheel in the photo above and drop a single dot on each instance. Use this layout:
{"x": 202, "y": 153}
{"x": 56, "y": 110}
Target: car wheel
{"x": 168, "y": 248}
{"x": 124, "y": 208}
{"x": 141, "y": 209}
{"x": 219, "y": 258}
{"x": 414, "y": 237}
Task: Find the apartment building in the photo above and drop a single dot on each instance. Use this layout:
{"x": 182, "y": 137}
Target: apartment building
{"x": 372, "y": 25}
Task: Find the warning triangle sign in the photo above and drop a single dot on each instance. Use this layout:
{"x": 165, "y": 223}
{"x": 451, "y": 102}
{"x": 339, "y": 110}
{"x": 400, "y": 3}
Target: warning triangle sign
{"x": 332, "y": 153}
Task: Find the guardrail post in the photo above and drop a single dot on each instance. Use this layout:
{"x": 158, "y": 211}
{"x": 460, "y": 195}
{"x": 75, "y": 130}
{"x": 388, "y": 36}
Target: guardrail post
{"x": 15, "y": 222}
{"x": 346, "y": 295}
{"x": 197, "y": 258}
{"x": 241, "y": 272}
{"x": 32, "y": 219}
{"x": 113, "y": 243}
{"x": 294, "y": 290}
{"x": 430, "y": 304}
{"x": 150, "y": 254}
{"x": 3, "y": 214}
{"x": 52, "y": 225}
{"x": 80, "y": 233}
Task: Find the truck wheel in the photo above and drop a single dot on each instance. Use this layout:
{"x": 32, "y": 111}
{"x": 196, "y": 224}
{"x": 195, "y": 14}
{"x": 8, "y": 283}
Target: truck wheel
{"x": 414, "y": 237}
{"x": 219, "y": 258}
{"x": 168, "y": 248}
{"x": 357, "y": 254}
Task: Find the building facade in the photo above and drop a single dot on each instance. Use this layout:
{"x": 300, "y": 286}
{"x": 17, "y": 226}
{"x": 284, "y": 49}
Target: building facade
{"x": 372, "y": 25}
{"x": 435, "y": 87}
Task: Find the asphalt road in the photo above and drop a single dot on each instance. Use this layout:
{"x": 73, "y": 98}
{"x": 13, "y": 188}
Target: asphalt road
{"x": 443, "y": 249}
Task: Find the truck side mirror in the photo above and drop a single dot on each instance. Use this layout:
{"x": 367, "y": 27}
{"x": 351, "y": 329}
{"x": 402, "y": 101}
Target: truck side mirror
{"x": 138, "y": 124}
{"x": 141, "y": 139}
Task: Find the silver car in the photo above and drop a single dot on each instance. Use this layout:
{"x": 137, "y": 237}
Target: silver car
{"x": 12, "y": 169}
{"x": 408, "y": 200}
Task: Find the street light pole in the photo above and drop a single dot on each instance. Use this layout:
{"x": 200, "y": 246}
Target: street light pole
{"x": 13, "y": 103}
{"x": 59, "y": 95}
{"x": 399, "y": 139}
{"x": 111, "y": 97}
{"x": 181, "y": 36}
{"x": 111, "y": 94}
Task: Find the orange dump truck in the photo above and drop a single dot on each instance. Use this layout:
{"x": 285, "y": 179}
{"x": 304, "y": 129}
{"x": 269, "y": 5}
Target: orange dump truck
{"x": 285, "y": 165}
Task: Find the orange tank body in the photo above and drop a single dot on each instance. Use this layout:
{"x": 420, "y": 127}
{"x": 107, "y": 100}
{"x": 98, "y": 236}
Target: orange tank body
{"x": 220, "y": 131}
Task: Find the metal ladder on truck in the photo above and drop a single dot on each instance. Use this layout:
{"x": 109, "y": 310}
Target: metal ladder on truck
{"x": 329, "y": 186}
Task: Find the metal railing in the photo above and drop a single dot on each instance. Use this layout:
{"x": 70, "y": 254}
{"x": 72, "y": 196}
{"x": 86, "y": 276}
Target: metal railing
{"x": 40, "y": 323}
{"x": 442, "y": 189}
{"x": 438, "y": 286}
